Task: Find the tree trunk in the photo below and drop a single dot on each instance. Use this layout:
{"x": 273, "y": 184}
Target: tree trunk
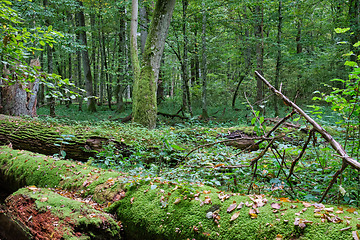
{"x": 259, "y": 34}
{"x": 47, "y": 140}
{"x": 15, "y": 100}
{"x": 145, "y": 105}
{"x": 354, "y": 17}
{"x": 186, "y": 104}
{"x": 150, "y": 208}
{"x": 86, "y": 61}
{"x": 204, "y": 114}
{"x": 278, "y": 59}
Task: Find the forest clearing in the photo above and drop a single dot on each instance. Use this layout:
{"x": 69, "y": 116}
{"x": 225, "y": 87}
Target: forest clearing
{"x": 179, "y": 119}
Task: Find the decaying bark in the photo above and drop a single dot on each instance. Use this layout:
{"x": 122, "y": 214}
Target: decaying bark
{"x": 14, "y": 99}
{"x": 35, "y": 137}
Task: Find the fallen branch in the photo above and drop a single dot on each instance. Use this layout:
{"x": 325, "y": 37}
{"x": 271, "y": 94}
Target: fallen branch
{"x": 347, "y": 160}
{"x": 334, "y": 144}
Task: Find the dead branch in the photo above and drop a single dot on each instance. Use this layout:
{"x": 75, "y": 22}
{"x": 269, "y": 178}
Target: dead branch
{"x": 227, "y": 140}
{"x": 312, "y": 131}
{"x": 334, "y": 144}
{"x": 172, "y": 115}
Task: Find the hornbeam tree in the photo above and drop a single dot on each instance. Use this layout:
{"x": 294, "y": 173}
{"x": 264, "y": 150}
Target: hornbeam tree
{"x": 146, "y": 76}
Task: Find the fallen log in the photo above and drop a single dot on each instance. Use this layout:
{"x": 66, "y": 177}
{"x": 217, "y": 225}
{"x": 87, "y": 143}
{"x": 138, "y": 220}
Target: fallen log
{"x": 37, "y": 213}
{"x": 50, "y": 139}
{"x": 150, "y": 207}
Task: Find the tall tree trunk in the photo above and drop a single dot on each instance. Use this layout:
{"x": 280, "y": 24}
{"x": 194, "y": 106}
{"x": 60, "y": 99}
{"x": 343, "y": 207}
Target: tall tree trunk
{"x": 145, "y": 105}
{"x": 184, "y": 64}
{"x": 259, "y": 34}
{"x": 86, "y": 62}
{"x": 204, "y": 114}
{"x": 354, "y": 20}
{"x": 93, "y": 52}
{"x": 278, "y": 58}
{"x": 52, "y": 100}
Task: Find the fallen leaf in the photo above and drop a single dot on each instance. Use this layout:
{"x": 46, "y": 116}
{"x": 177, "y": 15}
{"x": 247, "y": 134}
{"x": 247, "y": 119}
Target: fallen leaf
{"x": 231, "y": 207}
{"x": 275, "y": 205}
{"x": 279, "y": 237}
{"x": 240, "y": 205}
{"x": 132, "y": 200}
{"x": 306, "y": 204}
{"x": 351, "y": 210}
{"x": 44, "y": 199}
{"x": 284, "y": 200}
{"x": 253, "y": 213}
{"x": 177, "y": 201}
{"x": 234, "y": 216}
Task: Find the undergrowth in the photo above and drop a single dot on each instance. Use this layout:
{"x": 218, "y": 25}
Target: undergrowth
{"x": 162, "y": 153}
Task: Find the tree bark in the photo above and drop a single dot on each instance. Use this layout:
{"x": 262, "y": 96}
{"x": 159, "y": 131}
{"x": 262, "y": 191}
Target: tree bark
{"x": 15, "y": 100}
{"x": 278, "y": 58}
{"x": 204, "y": 114}
{"x": 86, "y": 61}
{"x": 259, "y": 34}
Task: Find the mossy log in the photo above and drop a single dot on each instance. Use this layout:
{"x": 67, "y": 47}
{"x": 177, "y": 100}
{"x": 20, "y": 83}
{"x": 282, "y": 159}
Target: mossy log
{"x": 37, "y": 213}
{"x": 152, "y": 208}
{"x": 48, "y": 139}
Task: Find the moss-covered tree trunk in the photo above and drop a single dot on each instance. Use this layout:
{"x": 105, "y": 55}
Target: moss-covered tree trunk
{"x": 145, "y": 83}
{"x": 153, "y": 208}
{"x": 47, "y": 139}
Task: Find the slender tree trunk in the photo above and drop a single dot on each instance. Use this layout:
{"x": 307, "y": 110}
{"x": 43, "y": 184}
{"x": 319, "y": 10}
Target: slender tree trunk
{"x": 184, "y": 64}
{"x": 86, "y": 62}
{"x": 49, "y": 52}
{"x": 204, "y": 114}
{"x": 93, "y": 52}
{"x": 354, "y": 19}
{"x": 278, "y": 59}
{"x": 259, "y": 34}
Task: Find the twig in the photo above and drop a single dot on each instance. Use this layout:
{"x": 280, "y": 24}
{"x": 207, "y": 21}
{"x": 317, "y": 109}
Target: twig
{"x": 343, "y": 166}
{"x": 301, "y": 153}
{"x": 224, "y": 141}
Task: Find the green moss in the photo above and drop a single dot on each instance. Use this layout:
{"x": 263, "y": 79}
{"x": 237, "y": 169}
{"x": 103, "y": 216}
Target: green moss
{"x": 83, "y": 217}
{"x": 177, "y": 221}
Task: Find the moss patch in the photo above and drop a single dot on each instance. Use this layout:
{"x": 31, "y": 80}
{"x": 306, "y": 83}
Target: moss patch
{"x": 52, "y": 216}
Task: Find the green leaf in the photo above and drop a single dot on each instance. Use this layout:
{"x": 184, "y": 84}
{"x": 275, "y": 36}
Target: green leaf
{"x": 357, "y": 44}
{"x": 350, "y": 63}
{"x": 42, "y": 43}
{"x": 341, "y": 30}
{"x": 176, "y": 147}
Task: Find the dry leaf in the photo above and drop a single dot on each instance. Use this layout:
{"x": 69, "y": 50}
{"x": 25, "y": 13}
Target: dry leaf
{"x": 44, "y": 199}
{"x": 177, "y": 201}
{"x": 231, "y": 208}
{"x": 240, "y": 205}
{"x": 279, "y": 237}
{"x": 275, "y": 205}
{"x": 253, "y": 213}
{"x": 351, "y": 210}
{"x": 234, "y": 216}
{"x": 306, "y": 204}
{"x": 284, "y": 200}
{"x": 132, "y": 200}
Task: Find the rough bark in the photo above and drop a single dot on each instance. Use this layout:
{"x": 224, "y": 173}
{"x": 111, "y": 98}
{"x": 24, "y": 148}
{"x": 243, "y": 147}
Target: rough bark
{"x": 204, "y": 114}
{"x": 278, "y": 58}
{"x": 15, "y": 100}
{"x": 86, "y": 61}
{"x": 50, "y": 140}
